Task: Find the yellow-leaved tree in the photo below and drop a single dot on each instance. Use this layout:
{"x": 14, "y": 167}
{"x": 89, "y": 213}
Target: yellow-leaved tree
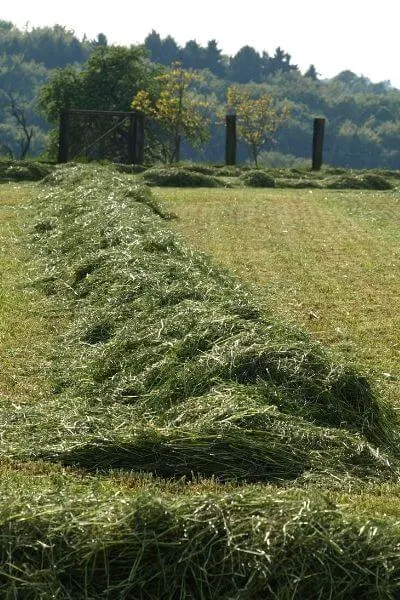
{"x": 257, "y": 119}
{"x": 176, "y": 109}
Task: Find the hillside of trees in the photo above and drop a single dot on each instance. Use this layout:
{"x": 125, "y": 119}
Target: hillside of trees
{"x": 43, "y": 69}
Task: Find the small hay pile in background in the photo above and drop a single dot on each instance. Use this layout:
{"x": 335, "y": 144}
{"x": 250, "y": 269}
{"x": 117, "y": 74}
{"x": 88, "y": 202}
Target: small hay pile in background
{"x": 23, "y": 170}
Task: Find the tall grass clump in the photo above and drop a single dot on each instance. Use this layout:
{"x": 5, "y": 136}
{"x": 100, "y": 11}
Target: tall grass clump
{"x": 169, "y": 366}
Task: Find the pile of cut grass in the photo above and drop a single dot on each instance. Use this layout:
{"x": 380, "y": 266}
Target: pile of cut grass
{"x": 130, "y": 169}
{"x": 23, "y": 170}
{"x": 336, "y": 179}
{"x": 157, "y": 330}
{"x": 198, "y": 175}
{"x": 367, "y": 181}
{"x": 181, "y": 177}
{"x": 258, "y": 178}
{"x": 204, "y": 169}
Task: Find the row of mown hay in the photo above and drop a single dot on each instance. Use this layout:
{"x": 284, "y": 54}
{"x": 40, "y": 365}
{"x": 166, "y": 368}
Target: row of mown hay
{"x": 206, "y": 177}
{"x": 195, "y": 377}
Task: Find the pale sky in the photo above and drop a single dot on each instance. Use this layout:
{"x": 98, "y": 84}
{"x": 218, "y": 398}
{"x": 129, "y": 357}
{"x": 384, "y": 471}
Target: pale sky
{"x": 346, "y": 34}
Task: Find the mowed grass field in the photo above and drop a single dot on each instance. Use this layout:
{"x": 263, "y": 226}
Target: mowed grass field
{"x": 326, "y": 260}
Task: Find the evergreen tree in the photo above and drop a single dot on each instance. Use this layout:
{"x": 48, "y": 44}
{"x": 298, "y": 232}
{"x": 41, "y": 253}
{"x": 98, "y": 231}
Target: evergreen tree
{"x": 266, "y": 65}
{"x": 213, "y": 59}
{"x": 5, "y": 26}
{"x": 54, "y": 47}
{"x": 101, "y": 41}
{"x": 311, "y": 73}
{"x": 281, "y": 61}
{"x": 193, "y": 55}
{"x": 245, "y": 66}
{"x": 154, "y": 45}
{"x": 170, "y": 51}
{"x": 162, "y": 51}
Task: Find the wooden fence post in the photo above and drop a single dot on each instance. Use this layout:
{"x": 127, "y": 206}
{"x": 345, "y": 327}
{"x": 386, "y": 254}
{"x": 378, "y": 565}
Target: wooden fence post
{"x": 318, "y": 144}
{"x": 132, "y": 138}
{"x": 140, "y": 138}
{"x": 63, "y": 136}
{"x": 230, "y": 147}
{"x": 136, "y": 138}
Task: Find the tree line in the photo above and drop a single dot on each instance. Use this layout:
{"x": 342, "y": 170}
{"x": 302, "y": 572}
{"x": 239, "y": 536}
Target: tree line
{"x": 45, "y": 69}
{"x": 246, "y": 65}
{"x": 52, "y": 47}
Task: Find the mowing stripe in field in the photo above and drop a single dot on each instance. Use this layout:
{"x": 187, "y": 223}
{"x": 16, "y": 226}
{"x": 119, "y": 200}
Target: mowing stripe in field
{"x": 23, "y": 329}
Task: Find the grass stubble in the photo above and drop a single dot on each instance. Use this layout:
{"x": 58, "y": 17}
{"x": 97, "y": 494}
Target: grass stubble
{"x": 23, "y": 336}
{"x": 192, "y": 446}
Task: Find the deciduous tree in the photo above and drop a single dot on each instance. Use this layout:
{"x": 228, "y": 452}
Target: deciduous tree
{"x": 26, "y": 132}
{"x": 105, "y": 82}
{"x": 178, "y": 111}
{"x": 258, "y": 119}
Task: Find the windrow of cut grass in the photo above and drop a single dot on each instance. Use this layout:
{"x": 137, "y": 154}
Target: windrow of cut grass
{"x": 208, "y": 176}
{"x": 181, "y": 177}
{"x": 159, "y": 336}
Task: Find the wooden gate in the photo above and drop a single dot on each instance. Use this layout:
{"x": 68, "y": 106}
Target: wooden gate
{"x": 101, "y": 135}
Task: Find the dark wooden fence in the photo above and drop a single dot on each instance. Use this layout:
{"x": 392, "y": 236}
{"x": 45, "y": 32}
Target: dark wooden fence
{"x": 115, "y": 135}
